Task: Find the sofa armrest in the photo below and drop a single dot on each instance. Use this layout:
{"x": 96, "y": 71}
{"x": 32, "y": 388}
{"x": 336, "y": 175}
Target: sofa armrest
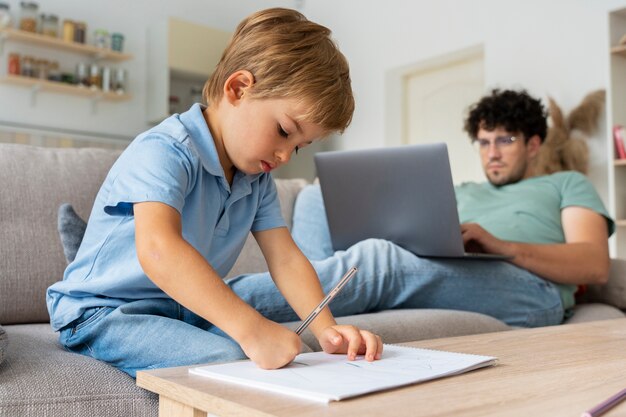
{"x": 614, "y": 292}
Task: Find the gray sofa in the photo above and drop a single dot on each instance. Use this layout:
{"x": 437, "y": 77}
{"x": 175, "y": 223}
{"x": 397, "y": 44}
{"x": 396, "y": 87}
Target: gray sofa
{"x": 39, "y": 378}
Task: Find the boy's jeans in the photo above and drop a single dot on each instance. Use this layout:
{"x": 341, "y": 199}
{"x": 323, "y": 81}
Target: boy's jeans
{"x": 148, "y": 334}
{"x": 157, "y": 333}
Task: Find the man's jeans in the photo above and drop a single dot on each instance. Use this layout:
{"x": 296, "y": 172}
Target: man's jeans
{"x": 390, "y": 277}
{"x": 157, "y": 333}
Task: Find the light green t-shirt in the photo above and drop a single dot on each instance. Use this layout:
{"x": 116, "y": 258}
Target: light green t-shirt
{"x": 529, "y": 211}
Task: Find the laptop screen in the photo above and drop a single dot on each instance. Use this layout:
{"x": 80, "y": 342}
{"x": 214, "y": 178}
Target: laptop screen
{"x": 402, "y": 194}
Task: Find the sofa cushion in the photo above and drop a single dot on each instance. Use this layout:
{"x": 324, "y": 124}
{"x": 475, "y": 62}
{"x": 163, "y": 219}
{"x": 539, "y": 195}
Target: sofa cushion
{"x": 4, "y": 341}
{"x": 594, "y": 311}
{"x": 40, "y": 378}
{"x": 613, "y": 292}
{"x": 251, "y": 259}
{"x": 35, "y": 181}
{"x": 71, "y": 230}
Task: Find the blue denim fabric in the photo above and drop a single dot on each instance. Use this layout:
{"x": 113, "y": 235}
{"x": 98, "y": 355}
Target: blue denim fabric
{"x": 148, "y": 334}
{"x": 390, "y": 277}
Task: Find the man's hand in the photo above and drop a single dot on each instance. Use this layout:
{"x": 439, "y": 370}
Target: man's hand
{"x": 582, "y": 259}
{"x": 477, "y": 239}
{"x": 351, "y": 340}
{"x": 271, "y": 345}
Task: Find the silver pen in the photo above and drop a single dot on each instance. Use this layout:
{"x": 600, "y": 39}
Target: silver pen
{"x": 342, "y": 282}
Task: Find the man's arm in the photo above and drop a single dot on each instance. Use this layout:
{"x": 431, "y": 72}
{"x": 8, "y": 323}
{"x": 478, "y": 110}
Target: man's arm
{"x": 582, "y": 259}
{"x": 182, "y": 272}
{"x": 298, "y": 282}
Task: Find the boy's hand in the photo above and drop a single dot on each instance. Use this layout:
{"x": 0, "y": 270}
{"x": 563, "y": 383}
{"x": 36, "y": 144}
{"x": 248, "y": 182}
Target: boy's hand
{"x": 351, "y": 340}
{"x": 271, "y": 345}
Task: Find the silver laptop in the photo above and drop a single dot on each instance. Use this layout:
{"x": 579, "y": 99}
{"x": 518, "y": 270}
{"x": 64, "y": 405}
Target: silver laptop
{"x": 402, "y": 194}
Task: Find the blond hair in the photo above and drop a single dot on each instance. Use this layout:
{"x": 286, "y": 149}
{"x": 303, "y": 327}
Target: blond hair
{"x": 289, "y": 57}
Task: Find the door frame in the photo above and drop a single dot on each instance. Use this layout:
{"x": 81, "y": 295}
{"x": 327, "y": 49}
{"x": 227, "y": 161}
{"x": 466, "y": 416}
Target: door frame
{"x": 396, "y": 99}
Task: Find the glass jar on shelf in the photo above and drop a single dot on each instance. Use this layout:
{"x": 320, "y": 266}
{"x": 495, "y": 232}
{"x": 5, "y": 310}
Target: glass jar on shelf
{"x": 101, "y": 38}
{"x": 82, "y": 75}
{"x": 106, "y": 79}
{"x": 68, "y": 78}
{"x": 27, "y": 68}
{"x": 119, "y": 81}
{"x": 95, "y": 79}
{"x": 35, "y": 73}
{"x": 50, "y": 25}
{"x": 5, "y": 15}
{"x": 14, "y": 64}
{"x": 28, "y": 16}
{"x": 117, "y": 42}
{"x": 42, "y": 69}
{"x": 68, "y": 30}
{"x": 54, "y": 74}
{"x": 80, "y": 32}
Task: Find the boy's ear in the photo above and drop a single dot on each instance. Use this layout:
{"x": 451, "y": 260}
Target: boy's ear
{"x": 236, "y": 85}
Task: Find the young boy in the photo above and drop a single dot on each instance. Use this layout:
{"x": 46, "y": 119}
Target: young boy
{"x": 145, "y": 290}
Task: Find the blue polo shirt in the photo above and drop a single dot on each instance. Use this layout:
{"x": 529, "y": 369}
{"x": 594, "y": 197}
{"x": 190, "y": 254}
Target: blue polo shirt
{"x": 175, "y": 163}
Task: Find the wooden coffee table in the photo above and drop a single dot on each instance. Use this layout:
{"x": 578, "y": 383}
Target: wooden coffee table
{"x": 551, "y": 371}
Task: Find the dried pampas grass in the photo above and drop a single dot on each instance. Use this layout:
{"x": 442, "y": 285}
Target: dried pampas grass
{"x": 565, "y": 147}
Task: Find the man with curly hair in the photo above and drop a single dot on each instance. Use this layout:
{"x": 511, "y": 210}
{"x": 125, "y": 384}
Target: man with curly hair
{"x": 554, "y": 227}
{"x": 504, "y": 112}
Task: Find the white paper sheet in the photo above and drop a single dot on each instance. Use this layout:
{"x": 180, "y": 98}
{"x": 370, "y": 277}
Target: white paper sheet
{"x": 324, "y": 377}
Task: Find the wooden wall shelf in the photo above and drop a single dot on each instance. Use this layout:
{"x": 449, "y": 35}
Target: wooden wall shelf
{"x": 48, "y": 41}
{"x": 37, "y": 85}
{"x": 615, "y": 115}
{"x": 57, "y": 87}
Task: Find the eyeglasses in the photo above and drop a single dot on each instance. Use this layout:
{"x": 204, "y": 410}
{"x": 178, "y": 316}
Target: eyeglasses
{"x": 499, "y": 142}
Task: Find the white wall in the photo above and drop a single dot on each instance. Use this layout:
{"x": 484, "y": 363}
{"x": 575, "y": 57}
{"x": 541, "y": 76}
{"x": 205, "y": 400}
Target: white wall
{"x": 555, "y": 48}
{"x": 125, "y": 119}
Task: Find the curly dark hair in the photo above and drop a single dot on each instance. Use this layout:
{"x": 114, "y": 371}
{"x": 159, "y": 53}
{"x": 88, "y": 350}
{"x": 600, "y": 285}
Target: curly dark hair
{"x": 515, "y": 111}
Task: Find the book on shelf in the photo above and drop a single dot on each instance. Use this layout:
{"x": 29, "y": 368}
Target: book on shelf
{"x": 618, "y": 138}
